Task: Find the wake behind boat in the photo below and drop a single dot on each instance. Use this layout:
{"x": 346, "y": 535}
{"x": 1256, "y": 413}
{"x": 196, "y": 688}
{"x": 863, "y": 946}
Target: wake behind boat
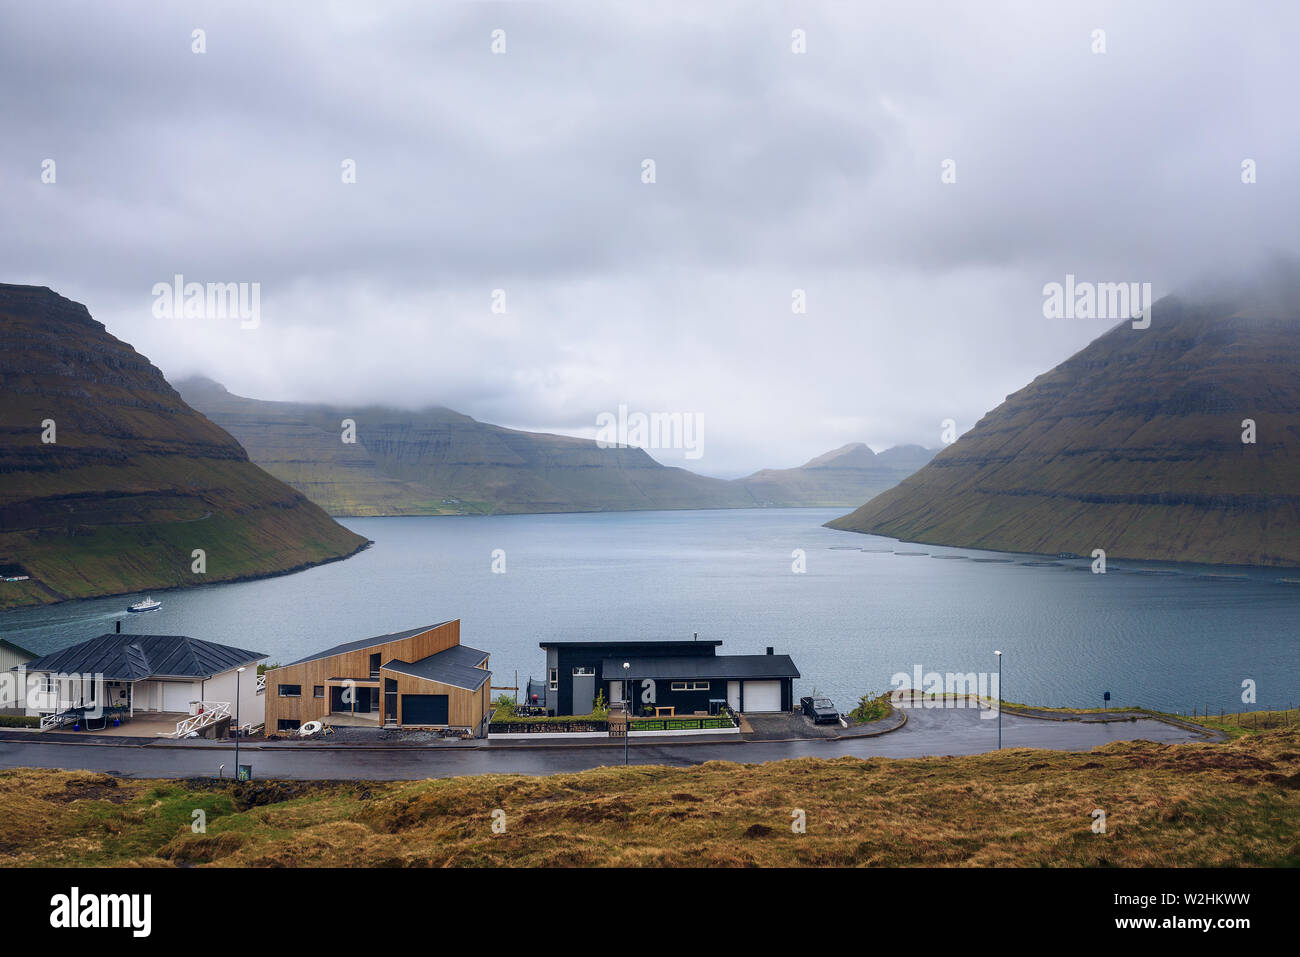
{"x": 147, "y": 605}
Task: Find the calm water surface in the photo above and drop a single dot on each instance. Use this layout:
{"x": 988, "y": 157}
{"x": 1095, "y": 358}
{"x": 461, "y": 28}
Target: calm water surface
{"x": 1167, "y": 637}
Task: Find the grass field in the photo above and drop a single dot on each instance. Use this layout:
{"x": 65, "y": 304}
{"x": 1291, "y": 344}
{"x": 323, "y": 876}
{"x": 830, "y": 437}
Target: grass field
{"x": 1234, "y": 804}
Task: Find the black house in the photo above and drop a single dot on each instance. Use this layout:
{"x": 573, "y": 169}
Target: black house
{"x": 665, "y": 677}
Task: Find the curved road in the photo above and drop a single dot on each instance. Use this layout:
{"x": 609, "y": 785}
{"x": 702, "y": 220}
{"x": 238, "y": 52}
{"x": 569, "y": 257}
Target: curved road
{"x": 928, "y": 732}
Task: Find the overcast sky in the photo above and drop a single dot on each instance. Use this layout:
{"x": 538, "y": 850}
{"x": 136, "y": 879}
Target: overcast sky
{"x": 522, "y": 171}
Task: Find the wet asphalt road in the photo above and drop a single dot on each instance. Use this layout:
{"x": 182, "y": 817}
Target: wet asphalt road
{"x": 927, "y": 733}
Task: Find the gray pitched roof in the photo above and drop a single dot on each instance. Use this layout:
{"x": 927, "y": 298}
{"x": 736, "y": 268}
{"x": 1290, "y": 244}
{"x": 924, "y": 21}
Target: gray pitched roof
{"x": 364, "y": 643}
{"x": 702, "y": 666}
{"x": 16, "y": 649}
{"x": 456, "y": 666}
{"x": 631, "y": 643}
{"x": 135, "y": 657}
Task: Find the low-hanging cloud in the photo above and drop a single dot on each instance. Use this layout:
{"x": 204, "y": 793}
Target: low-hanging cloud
{"x": 774, "y": 171}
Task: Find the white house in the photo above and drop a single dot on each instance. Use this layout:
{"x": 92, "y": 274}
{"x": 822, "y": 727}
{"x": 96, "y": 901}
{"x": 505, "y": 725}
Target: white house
{"x": 168, "y": 674}
{"x": 11, "y": 656}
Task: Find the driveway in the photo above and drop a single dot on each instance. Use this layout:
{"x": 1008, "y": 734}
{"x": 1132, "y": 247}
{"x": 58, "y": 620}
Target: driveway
{"x": 927, "y": 732}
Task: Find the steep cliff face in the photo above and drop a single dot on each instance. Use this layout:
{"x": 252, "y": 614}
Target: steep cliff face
{"x": 1134, "y": 445}
{"x": 109, "y": 481}
{"x": 843, "y": 476}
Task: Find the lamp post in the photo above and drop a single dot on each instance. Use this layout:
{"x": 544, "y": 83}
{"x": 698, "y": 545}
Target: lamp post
{"x": 999, "y": 654}
{"x": 238, "y": 673}
{"x": 627, "y": 714}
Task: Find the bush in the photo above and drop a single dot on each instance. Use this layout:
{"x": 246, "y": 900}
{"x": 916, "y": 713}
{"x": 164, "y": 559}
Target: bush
{"x": 871, "y": 707}
{"x": 19, "y": 721}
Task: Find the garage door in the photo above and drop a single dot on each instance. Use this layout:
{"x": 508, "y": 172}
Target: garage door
{"x": 177, "y": 696}
{"x": 424, "y": 709}
{"x": 762, "y": 696}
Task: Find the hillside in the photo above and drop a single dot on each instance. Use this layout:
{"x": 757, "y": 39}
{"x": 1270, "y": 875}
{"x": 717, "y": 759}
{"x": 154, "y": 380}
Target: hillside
{"x": 847, "y": 474}
{"x": 1167, "y": 805}
{"x": 438, "y": 461}
{"x": 134, "y": 480}
{"x": 1134, "y": 445}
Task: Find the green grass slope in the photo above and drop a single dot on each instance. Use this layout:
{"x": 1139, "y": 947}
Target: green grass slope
{"x": 1133, "y": 445}
{"x": 135, "y": 480}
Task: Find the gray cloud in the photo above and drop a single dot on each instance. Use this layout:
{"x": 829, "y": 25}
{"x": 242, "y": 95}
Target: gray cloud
{"x": 521, "y": 172}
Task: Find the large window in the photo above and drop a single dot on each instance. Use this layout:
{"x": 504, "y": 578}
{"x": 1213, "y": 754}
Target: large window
{"x": 583, "y": 670}
{"x": 318, "y": 691}
{"x": 288, "y": 724}
{"x": 290, "y": 691}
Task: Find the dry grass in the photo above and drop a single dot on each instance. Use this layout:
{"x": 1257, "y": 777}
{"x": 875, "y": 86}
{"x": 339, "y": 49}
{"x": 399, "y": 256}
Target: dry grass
{"x": 1235, "y": 804}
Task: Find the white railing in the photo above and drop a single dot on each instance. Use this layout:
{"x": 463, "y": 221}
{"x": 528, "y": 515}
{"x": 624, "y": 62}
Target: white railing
{"x": 261, "y": 684}
{"x": 213, "y": 711}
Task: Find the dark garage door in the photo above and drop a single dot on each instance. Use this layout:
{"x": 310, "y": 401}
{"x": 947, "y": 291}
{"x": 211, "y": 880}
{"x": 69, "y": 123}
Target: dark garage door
{"x": 424, "y": 709}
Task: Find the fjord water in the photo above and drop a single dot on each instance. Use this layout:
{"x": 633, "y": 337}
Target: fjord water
{"x": 1163, "y": 636}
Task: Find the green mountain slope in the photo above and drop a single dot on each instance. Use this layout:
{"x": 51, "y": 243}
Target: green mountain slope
{"x": 135, "y": 480}
{"x": 437, "y": 461}
{"x": 1133, "y": 445}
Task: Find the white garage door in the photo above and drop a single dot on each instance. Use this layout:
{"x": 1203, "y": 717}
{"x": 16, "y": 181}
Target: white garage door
{"x": 762, "y": 696}
{"x": 177, "y": 696}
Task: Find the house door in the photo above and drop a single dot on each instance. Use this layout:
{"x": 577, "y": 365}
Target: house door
{"x": 733, "y": 695}
{"x": 390, "y": 699}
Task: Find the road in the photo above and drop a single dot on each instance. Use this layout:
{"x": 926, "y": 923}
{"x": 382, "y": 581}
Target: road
{"x": 928, "y": 732}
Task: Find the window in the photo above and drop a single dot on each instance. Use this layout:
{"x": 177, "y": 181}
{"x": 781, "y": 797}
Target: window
{"x": 690, "y": 686}
{"x": 288, "y": 724}
{"x": 318, "y": 691}
{"x": 554, "y": 683}
{"x": 679, "y": 686}
{"x": 290, "y": 691}
{"x": 375, "y": 661}
{"x": 699, "y": 686}
{"x": 583, "y": 670}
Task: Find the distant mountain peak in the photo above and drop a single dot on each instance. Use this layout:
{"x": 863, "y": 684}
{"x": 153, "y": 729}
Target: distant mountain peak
{"x": 852, "y": 455}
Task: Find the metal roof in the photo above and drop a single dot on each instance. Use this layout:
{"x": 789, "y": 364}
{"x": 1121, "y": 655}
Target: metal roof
{"x": 136, "y": 657}
{"x": 456, "y": 666}
{"x": 16, "y": 649}
{"x": 670, "y": 642}
{"x": 365, "y": 643}
{"x": 702, "y": 666}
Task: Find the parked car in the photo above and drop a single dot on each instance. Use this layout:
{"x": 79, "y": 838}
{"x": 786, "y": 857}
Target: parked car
{"x": 821, "y": 710}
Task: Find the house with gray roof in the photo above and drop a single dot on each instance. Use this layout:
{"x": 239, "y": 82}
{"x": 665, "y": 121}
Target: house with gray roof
{"x": 416, "y": 678}
{"x": 130, "y": 674}
{"x": 661, "y": 678}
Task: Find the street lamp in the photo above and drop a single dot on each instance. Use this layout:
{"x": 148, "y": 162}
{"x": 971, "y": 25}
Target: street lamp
{"x": 627, "y": 715}
{"x": 238, "y": 672}
{"x": 999, "y": 654}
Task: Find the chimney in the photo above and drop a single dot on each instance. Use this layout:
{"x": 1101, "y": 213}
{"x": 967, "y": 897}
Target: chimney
{"x": 119, "y": 626}
{"x": 697, "y": 636}
{"x": 769, "y": 649}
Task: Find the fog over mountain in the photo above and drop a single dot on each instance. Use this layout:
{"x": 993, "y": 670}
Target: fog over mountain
{"x": 521, "y": 171}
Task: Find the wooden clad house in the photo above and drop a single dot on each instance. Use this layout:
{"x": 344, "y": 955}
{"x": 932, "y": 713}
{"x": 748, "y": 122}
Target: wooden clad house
{"x": 420, "y": 678}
